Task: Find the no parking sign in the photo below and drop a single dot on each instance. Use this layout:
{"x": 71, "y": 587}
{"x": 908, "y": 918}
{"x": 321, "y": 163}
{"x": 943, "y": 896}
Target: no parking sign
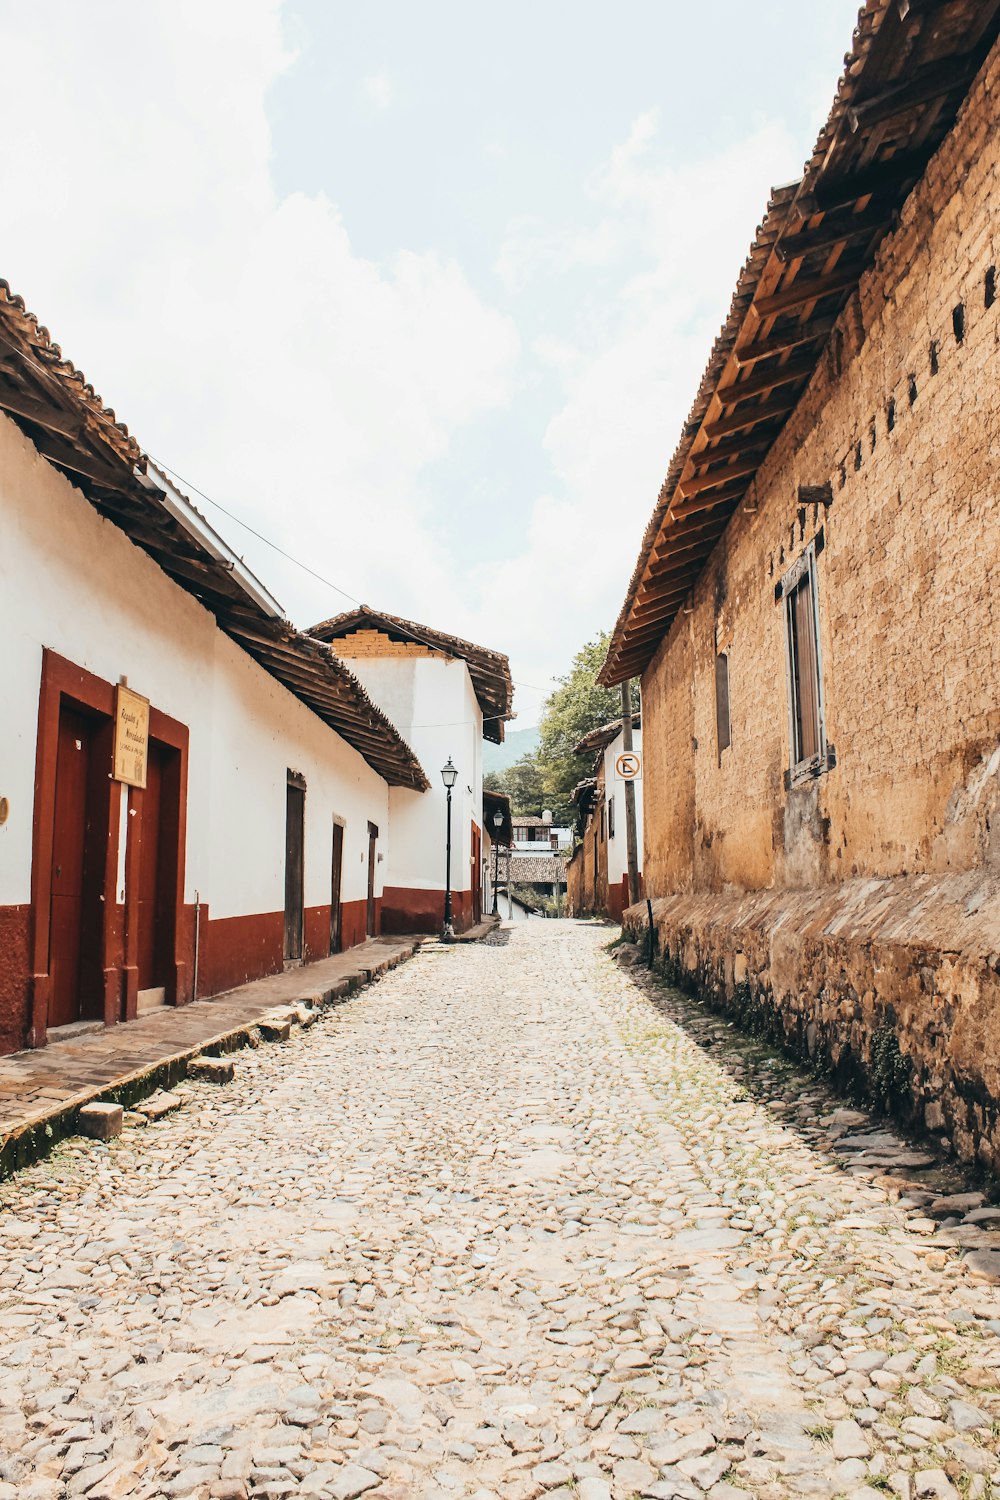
{"x": 628, "y": 766}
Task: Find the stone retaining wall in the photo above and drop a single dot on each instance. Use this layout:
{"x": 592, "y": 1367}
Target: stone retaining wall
{"x": 890, "y": 986}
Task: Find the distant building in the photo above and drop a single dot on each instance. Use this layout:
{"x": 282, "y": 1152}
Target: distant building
{"x": 598, "y": 870}
{"x": 534, "y": 835}
{"x": 444, "y": 695}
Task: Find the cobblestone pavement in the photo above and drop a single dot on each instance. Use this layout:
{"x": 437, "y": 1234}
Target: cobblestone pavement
{"x": 498, "y": 1227}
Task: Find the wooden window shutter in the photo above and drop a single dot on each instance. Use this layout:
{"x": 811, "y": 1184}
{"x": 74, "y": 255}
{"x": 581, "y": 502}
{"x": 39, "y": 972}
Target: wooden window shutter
{"x": 722, "y": 724}
{"x": 807, "y": 686}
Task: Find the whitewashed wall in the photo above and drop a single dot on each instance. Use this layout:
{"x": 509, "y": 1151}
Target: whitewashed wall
{"x": 433, "y": 704}
{"x": 618, "y": 846}
{"x": 74, "y": 583}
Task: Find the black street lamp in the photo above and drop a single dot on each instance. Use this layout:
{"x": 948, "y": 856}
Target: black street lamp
{"x": 449, "y": 776}
{"x": 497, "y": 825}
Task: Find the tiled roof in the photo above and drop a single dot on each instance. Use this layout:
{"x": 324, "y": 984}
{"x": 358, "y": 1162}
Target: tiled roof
{"x": 532, "y": 869}
{"x": 604, "y": 735}
{"x": 69, "y": 424}
{"x": 489, "y": 670}
{"x": 908, "y": 71}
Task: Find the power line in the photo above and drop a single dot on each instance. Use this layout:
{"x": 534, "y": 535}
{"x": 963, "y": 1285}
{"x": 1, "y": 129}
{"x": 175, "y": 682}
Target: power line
{"x": 288, "y": 556}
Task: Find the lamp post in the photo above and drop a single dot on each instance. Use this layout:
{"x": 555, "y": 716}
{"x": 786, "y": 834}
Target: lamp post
{"x": 449, "y": 775}
{"x": 497, "y": 825}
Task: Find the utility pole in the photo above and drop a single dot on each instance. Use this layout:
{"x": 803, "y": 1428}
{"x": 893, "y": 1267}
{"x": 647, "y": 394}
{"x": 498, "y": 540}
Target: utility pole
{"x": 631, "y": 843}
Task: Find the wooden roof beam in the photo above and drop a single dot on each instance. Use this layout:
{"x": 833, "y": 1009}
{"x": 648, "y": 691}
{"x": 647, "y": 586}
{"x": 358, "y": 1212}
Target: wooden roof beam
{"x": 779, "y": 343}
{"x": 707, "y": 501}
{"x": 762, "y": 381}
{"x": 710, "y": 478}
{"x": 834, "y": 230}
{"x": 52, "y": 418}
{"x": 809, "y": 289}
{"x": 899, "y": 98}
{"x": 780, "y": 407}
{"x": 757, "y": 442}
{"x": 886, "y": 176}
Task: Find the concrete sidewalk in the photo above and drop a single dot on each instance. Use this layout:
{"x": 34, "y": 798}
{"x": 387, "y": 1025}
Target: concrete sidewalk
{"x": 42, "y": 1091}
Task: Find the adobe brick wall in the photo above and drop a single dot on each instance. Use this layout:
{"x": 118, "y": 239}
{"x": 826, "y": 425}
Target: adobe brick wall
{"x": 903, "y": 417}
{"x": 908, "y": 584}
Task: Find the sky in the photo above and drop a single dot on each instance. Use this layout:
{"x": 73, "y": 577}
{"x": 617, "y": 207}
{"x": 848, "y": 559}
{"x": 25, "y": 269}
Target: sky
{"x": 420, "y": 293}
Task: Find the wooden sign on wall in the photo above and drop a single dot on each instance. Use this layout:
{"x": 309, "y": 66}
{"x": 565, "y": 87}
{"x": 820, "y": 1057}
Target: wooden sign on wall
{"x": 131, "y": 736}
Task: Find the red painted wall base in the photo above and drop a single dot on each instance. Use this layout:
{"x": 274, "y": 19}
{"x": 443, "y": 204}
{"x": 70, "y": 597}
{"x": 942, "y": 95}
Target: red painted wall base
{"x": 231, "y": 951}
{"x": 405, "y": 909}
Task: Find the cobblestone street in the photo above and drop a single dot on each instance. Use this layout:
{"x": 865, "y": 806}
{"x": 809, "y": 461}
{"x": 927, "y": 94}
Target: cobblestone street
{"x": 503, "y": 1225}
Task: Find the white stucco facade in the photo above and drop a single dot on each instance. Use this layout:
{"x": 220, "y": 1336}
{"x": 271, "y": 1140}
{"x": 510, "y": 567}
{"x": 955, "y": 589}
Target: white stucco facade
{"x": 72, "y": 582}
{"x": 431, "y": 700}
{"x": 614, "y": 788}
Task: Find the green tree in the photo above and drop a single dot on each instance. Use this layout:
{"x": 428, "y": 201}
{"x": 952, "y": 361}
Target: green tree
{"x": 576, "y": 706}
{"x": 522, "y": 783}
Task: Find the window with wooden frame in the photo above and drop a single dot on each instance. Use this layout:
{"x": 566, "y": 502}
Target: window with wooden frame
{"x": 611, "y": 817}
{"x": 799, "y": 595}
{"x": 723, "y": 729}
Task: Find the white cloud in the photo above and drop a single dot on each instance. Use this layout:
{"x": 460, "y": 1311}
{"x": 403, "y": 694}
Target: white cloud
{"x": 241, "y": 337}
{"x": 676, "y": 232}
{"x": 378, "y": 90}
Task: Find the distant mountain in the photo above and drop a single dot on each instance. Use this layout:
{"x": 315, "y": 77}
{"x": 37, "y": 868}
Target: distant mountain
{"x": 517, "y": 743}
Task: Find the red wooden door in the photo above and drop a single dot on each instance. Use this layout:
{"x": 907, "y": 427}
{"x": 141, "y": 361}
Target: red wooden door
{"x": 150, "y": 945}
{"x": 370, "y": 909}
{"x": 477, "y": 873}
{"x": 69, "y": 868}
{"x": 336, "y": 883}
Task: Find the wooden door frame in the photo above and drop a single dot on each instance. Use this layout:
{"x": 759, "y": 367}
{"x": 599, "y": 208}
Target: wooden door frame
{"x": 62, "y": 679}
{"x": 371, "y": 900}
{"x": 294, "y": 780}
{"x": 174, "y": 736}
{"x": 336, "y": 920}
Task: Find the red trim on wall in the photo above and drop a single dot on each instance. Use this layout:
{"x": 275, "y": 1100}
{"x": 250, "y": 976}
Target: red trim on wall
{"x": 406, "y": 909}
{"x": 15, "y": 976}
{"x": 237, "y": 950}
{"x": 176, "y": 737}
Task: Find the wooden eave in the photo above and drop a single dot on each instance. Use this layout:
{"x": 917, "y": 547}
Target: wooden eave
{"x": 910, "y": 67}
{"x": 489, "y": 670}
{"x": 71, "y": 428}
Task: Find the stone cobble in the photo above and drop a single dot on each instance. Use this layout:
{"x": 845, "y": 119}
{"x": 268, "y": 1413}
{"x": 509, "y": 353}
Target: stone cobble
{"x": 503, "y": 1226}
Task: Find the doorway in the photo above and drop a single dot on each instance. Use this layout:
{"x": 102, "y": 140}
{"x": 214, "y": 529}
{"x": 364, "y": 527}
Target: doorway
{"x": 370, "y": 915}
{"x": 76, "y": 875}
{"x": 295, "y": 820}
{"x": 336, "y": 882}
{"x": 477, "y": 873}
{"x": 156, "y": 828}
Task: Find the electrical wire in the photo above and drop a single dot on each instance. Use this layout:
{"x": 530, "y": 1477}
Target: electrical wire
{"x": 275, "y": 546}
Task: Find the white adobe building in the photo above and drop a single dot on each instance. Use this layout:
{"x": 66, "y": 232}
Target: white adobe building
{"x": 445, "y": 695}
{"x": 605, "y": 818}
{"x": 242, "y": 819}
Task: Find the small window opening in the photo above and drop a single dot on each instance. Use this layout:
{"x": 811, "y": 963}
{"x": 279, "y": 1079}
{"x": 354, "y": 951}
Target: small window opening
{"x": 857, "y": 457}
{"x": 802, "y": 640}
{"x": 990, "y": 286}
{"x": 958, "y": 322}
{"x": 890, "y": 414}
{"x": 873, "y": 435}
{"x": 934, "y": 356}
{"x": 723, "y": 726}
{"x": 911, "y": 388}
{"x": 611, "y": 817}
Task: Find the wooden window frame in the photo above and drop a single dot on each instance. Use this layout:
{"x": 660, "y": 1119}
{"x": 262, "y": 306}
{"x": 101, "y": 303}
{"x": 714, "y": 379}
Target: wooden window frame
{"x": 804, "y": 768}
{"x": 611, "y": 817}
{"x": 727, "y": 744}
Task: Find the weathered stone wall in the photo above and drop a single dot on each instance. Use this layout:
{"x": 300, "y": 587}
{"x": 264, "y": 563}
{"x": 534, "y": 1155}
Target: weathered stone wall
{"x": 893, "y": 986}
{"x": 856, "y": 918}
{"x": 903, "y": 416}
